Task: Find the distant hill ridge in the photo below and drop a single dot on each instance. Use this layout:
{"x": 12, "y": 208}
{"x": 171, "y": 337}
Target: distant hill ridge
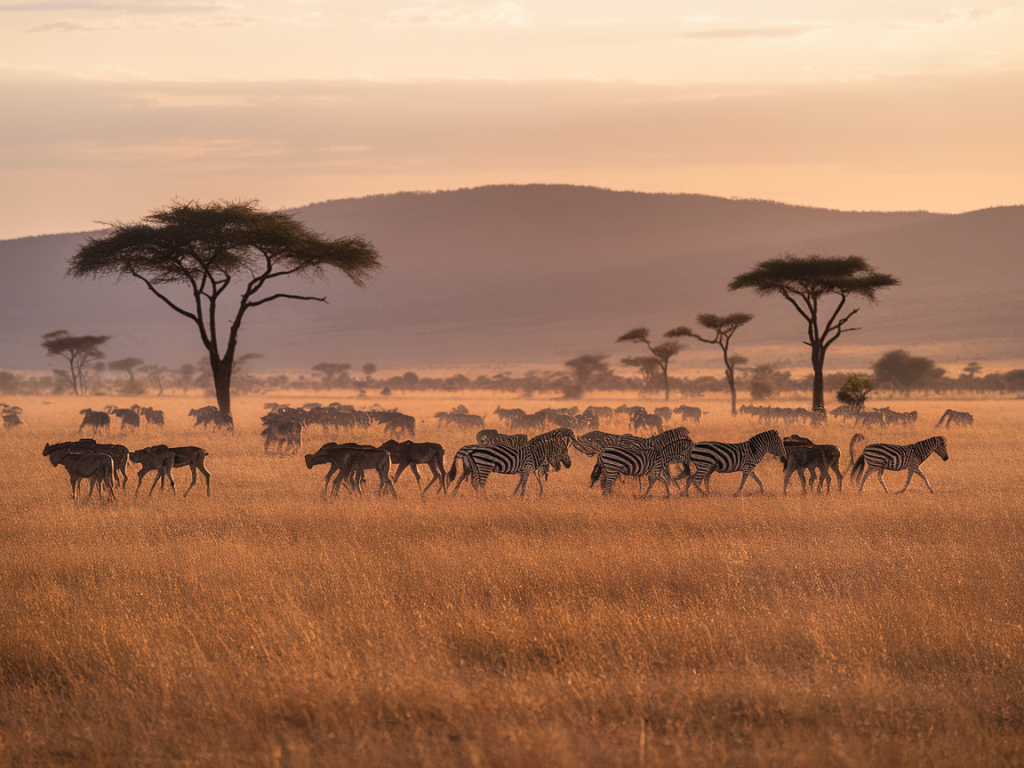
{"x": 541, "y": 273}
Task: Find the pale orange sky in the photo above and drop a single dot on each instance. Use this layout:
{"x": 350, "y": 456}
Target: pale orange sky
{"x": 112, "y": 108}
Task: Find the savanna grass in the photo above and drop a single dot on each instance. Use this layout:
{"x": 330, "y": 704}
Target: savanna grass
{"x": 268, "y": 626}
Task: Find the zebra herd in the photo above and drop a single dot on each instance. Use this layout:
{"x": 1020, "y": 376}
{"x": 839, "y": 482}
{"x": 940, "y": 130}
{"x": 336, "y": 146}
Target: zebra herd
{"x": 666, "y": 457}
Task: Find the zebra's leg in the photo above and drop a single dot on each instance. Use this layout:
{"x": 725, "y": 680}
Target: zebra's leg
{"x": 880, "y": 480}
{"x": 864, "y": 479}
{"x": 608, "y": 482}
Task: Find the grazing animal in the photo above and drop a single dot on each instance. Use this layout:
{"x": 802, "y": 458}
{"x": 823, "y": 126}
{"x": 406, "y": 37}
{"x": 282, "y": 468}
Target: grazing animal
{"x": 284, "y": 431}
{"x": 688, "y": 412}
{"x": 128, "y": 417}
{"x": 162, "y": 459}
{"x": 494, "y": 437}
{"x": 210, "y": 414}
{"x": 323, "y": 456}
{"x": 641, "y": 420}
{"x": 711, "y": 457}
{"x": 640, "y": 458}
{"x": 960, "y": 418}
{"x": 96, "y": 419}
{"x": 11, "y": 415}
{"x": 802, "y": 454}
{"x": 409, "y": 454}
{"x": 151, "y": 415}
{"x": 118, "y": 453}
{"x": 98, "y": 467}
{"x": 457, "y": 419}
{"x": 395, "y": 423}
{"x": 878, "y": 457}
{"x": 348, "y": 460}
{"x": 550, "y": 449}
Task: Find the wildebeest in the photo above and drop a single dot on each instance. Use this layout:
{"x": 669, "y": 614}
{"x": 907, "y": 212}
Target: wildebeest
{"x": 801, "y": 454}
{"x": 283, "y": 431}
{"x": 96, "y": 419}
{"x": 128, "y": 417}
{"x": 210, "y": 414}
{"x": 118, "y": 453}
{"x": 409, "y": 454}
{"x": 98, "y": 467}
{"x": 162, "y": 460}
{"x": 960, "y": 418}
{"x": 151, "y": 415}
{"x": 688, "y": 412}
{"x": 11, "y": 415}
{"x": 494, "y": 437}
{"x": 349, "y": 461}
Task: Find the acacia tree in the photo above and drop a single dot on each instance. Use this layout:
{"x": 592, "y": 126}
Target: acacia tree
{"x": 209, "y": 248}
{"x": 724, "y": 327}
{"x": 805, "y": 282}
{"x": 79, "y": 351}
{"x": 660, "y": 354}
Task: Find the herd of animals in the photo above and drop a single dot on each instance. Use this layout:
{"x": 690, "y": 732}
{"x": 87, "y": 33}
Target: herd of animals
{"x": 665, "y": 456}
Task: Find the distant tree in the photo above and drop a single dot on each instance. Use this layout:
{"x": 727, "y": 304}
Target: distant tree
{"x": 766, "y": 381}
{"x": 724, "y": 326}
{"x": 205, "y": 247}
{"x": 369, "y": 369}
{"x": 972, "y": 369}
{"x": 805, "y": 281}
{"x": 156, "y": 374}
{"x": 899, "y": 370}
{"x": 126, "y": 365}
{"x": 854, "y": 391}
{"x": 660, "y": 354}
{"x": 185, "y": 377}
{"x": 334, "y": 374}
{"x": 79, "y": 351}
{"x": 586, "y": 371}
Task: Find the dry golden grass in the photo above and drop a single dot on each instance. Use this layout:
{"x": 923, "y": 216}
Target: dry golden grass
{"x": 265, "y": 626}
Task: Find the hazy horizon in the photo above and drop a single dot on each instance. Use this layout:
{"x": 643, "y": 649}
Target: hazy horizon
{"x": 908, "y": 105}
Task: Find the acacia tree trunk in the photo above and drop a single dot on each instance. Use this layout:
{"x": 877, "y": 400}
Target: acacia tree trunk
{"x": 730, "y": 377}
{"x": 221, "y": 370}
{"x": 818, "y": 363}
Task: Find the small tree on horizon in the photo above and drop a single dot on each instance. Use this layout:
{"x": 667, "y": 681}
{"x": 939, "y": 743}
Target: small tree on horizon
{"x": 854, "y": 391}
{"x": 79, "y": 351}
{"x": 804, "y": 281}
{"x": 660, "y": 354}
{"x": 724, "y": 327}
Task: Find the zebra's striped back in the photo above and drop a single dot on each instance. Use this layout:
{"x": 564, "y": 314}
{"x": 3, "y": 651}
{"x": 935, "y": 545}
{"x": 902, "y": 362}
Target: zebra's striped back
{"x": 899, "y": 457}
{"x": 711, "y": 457}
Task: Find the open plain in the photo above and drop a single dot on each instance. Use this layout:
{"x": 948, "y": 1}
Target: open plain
{"x": 267, "y": 626}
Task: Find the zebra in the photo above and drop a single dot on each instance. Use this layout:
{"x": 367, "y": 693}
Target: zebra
{"x": 879, "y": 457}
{"x": 479, "y": 461}
{"x": 709, "y": 458}
{"x": 960, "y": 418}
{"x": 639, "y": 458}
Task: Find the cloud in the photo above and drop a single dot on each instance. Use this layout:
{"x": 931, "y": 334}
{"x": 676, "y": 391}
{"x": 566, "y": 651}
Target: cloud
{"x": 724, "y": 30}
{"x": 449, "y": 14}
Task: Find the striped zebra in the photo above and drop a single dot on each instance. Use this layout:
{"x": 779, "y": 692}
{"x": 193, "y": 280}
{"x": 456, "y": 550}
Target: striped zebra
{"x": 709, "y": 458}
{"x": 638, "y": 457}
{"x": 879, "y": 457}
{"x": 550, "y": 449}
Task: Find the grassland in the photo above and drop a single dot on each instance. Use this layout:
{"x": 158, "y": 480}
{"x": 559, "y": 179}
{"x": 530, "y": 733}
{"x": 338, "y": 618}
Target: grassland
{"x": 265, "y": 626}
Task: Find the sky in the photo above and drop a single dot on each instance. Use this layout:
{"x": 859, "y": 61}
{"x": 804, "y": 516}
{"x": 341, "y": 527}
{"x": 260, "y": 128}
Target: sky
{"x": 112, "y": 108}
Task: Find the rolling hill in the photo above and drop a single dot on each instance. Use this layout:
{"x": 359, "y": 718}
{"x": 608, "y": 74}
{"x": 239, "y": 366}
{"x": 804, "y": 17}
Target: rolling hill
{"x": 536, "y": 274}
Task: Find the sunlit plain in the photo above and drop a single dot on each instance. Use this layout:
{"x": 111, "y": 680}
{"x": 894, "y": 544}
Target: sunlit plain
{"x": 267, "y": 626}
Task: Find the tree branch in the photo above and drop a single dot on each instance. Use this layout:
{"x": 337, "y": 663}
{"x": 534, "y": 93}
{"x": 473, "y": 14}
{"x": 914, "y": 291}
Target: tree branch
{"x": 285, "y": 296}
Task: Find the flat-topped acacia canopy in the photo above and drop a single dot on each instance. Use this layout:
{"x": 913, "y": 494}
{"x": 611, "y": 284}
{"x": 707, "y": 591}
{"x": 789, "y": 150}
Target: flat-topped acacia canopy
{"x": 207, "y": 246}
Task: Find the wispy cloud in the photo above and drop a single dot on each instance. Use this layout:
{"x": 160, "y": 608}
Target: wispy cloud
{"x": 137, "y": 8}
{"x": 454, "y": 14}
{"x": 717, "y": 28}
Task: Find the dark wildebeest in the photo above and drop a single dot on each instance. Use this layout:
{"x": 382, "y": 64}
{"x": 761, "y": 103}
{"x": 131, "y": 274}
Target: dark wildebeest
{"x": 802, "y": 453}
{"x": 960, "y": 418}
{"x": 151, "y": 415}
{"x": 332, "y": 453}
{"x": 128, "y": 417}
{"x": 118, "y": 453}
{"x": 284, "y": 431}
{"x": 409, "y": 454}
{"x": 210, "y": 414}
{"x": 162, "y": 460}
{"x": 96, "y": 419}
{"x": 98, "y": 467}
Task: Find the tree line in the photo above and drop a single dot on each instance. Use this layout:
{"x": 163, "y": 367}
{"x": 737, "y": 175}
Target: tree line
{"x": 231, "y": 256}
